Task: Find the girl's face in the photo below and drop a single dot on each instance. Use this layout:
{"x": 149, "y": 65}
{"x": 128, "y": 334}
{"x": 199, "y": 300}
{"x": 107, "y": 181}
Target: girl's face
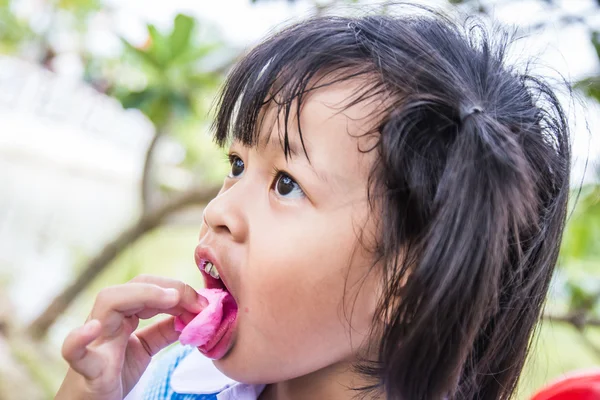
{"x": 290, "y": 244}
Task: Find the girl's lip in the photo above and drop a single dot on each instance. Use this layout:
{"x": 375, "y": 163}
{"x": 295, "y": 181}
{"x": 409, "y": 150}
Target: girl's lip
{"x": 222, "y": 347}
{"x": 202, "y": 254}
{"x": 223, "y": 344}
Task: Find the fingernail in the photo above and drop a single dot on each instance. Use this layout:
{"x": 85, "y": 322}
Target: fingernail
{"x": 171, "y": 293}
{"x": 90, "y": 326}
{"x": 198, "y": 305}
{"x": 202, "y": 301}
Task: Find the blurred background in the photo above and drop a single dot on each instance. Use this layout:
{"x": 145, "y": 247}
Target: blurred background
{"x": 106, "y": 158}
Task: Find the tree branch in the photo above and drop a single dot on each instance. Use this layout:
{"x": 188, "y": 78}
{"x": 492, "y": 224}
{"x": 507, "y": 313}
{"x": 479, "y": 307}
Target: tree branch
{"x": 579, "y": 321}
{"x": 146, "y": 188}
{"x": 146, "y": 223}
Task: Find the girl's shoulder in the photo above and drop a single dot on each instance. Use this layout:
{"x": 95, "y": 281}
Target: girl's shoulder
{"x": 182, "y": 373}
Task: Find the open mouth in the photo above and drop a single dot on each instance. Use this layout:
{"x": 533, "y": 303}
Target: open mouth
{"x": 212, "y": 278}
{"x": 220, "y": 343}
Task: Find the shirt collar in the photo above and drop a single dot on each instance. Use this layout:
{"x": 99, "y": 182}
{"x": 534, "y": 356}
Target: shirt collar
{"x": 196, "y": 374}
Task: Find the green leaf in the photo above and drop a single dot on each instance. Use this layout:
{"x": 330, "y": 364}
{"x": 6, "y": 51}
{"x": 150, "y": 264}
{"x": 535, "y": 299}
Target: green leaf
{"x": 142, "y": 56}
{"x": 140, "y": 100}
{"x": 174, "y": 86}
{"x": 590, "y": 86}
{"x": 154, "y": 102}
{"x": 578, "y": 296}
{"x": 191, "y": 54}
{"x": 159, "y": 48}
{"x": 180, "y": 36}
{"x": 596, "y": 42}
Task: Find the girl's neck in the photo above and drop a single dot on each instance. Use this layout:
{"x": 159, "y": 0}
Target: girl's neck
{"x": 334, "y": 382}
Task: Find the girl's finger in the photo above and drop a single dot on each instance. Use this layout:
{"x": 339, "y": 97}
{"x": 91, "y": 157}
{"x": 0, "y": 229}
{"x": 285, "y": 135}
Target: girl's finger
{"x": 190, "y": 299}
{"x": 75, "y": 352}
{"x": 157, "y": 336}
{"x": 114, "y": 303}
{"x": 185, "y": 315}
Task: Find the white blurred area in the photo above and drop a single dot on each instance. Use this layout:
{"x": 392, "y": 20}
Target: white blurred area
{"x": 70, "y": 165}
{"x": 71, "y": 158}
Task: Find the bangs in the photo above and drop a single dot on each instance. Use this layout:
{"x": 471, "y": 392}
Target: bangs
{"x": 282, "y": 70}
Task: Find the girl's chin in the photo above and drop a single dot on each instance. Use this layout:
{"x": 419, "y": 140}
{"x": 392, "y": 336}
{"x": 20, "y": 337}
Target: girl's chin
{"x": 238, "y": 368}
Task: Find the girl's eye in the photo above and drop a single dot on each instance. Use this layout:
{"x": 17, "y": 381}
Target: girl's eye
{"x": 286, "y": 186}
{"x": 237, "y": 166}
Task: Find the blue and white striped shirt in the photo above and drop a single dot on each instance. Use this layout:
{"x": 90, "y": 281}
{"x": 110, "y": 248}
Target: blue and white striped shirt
{"x": 183, "y": 373}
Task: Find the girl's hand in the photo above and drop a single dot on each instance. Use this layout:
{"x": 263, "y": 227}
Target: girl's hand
{"x": 106, "y": 357}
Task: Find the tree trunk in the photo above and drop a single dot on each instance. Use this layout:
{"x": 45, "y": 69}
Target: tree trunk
{"x": 146, "y": 189}
{"x": 147, "y": 222}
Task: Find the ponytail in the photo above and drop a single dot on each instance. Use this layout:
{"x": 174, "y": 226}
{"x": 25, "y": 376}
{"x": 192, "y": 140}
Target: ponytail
{"x": 473, "y": 247}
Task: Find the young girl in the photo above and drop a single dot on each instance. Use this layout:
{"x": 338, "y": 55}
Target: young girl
{"x": 388, "y": 229}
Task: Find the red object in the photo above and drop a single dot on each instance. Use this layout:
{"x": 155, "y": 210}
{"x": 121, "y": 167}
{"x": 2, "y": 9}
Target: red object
{"x": 579, "y": 386}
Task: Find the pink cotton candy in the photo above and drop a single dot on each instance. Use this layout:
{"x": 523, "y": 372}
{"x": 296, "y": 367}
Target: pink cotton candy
{"x": 204, "y": 325}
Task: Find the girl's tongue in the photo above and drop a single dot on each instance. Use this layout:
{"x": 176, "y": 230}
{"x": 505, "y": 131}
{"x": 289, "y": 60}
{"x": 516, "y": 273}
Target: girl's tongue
{"x": 211, "y": 321}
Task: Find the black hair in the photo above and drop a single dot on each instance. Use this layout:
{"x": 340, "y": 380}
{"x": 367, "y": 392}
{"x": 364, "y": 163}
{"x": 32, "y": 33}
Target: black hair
{"x": 472, "y": 180}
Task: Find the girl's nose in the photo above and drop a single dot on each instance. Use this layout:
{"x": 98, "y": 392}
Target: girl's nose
{"x": 224, "y": 215}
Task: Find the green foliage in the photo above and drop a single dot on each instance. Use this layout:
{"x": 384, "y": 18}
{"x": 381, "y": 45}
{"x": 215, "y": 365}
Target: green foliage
{"x": 591, "y": 85}
{"x": 181, "y": 35}
{"x": 580, "y": 246}
{"x": 582, "y": 233}
{"x": 596, "y": 42}
{"x": 170, "y": 64}
{"x": 580, "y": 253}
{"x": 79, "y": 7}
{"x": 580, "y": 299}
{"x": 13, "y": 31}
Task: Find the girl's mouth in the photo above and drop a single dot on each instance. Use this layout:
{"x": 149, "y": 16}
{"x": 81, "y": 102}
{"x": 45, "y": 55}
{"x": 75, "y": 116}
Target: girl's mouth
{"x": 211, "y": 269}
{"x": 222, "y": 340}
{"x": 212, "y": 275}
